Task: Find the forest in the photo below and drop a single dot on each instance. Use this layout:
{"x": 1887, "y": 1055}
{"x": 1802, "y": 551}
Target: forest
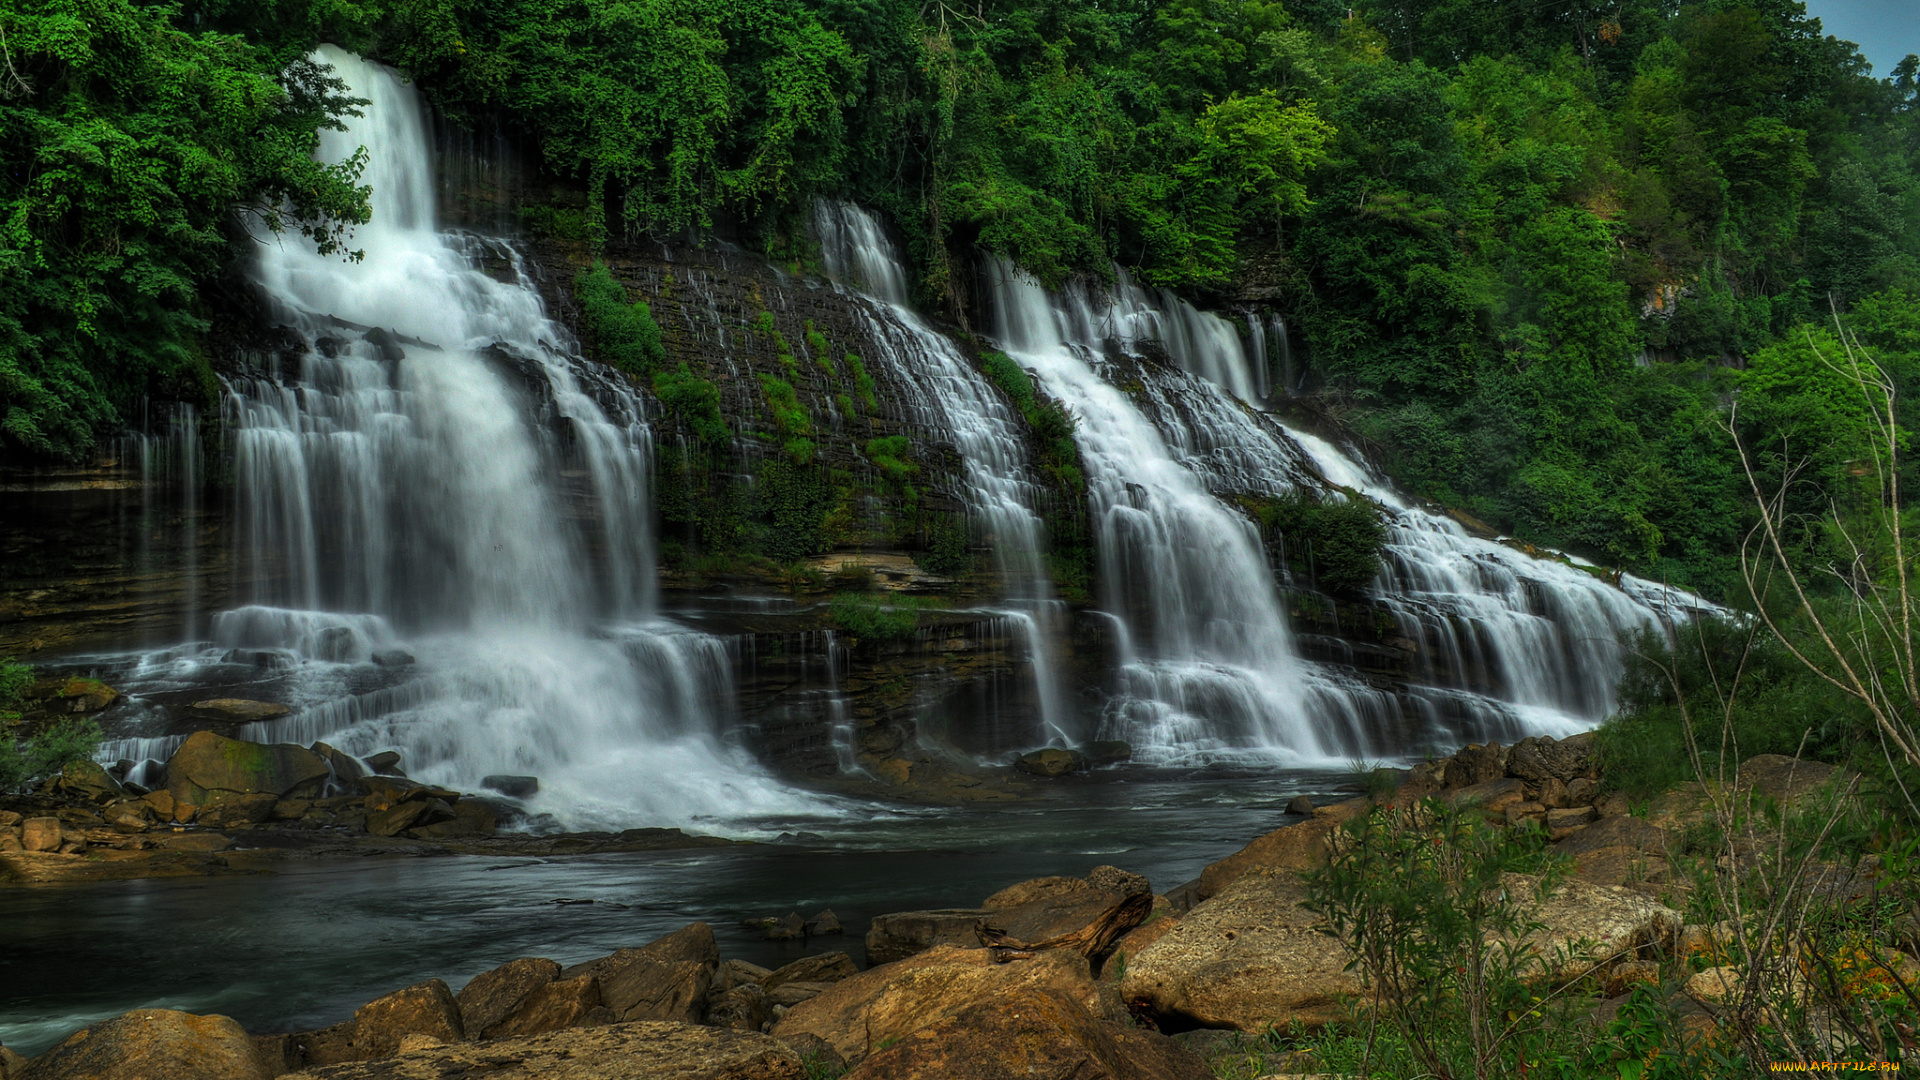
{"x": 1526, "y": 252}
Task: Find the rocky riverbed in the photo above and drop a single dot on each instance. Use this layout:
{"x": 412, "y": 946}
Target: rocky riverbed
{"x": 1093, "y": 973}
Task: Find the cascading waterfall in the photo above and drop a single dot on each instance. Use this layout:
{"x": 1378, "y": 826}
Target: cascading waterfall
{"x": 1514, "y": 645}
{"x": 952, "y": 402}
{"x": 444, "y": 488}
{"x": 1214, "y": 666}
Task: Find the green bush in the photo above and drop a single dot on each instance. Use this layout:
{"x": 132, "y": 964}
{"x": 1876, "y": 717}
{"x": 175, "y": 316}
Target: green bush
{"x": 876, "y": 616}
{"x": 862, "y": 382}
{"x": 1051, "y": 422}
{"x": 617, "y": 332}
{"x": 789, "y": 416}
{"x": 46, "y": 752}
{"x": 1335, "y": 542}
{"x": 948, "y": 551}
{"x": 694, "y": 400}
{"x": 890, "y": 454}
{"x": 15, "y": 677}
{"x": 1744, "y": 694}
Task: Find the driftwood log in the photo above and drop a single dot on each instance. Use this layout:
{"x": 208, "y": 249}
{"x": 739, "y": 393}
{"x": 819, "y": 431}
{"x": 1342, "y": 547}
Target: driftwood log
{"x": 1095, "y": 940}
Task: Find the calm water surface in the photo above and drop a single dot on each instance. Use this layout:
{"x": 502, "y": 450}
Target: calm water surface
{"x": 303, "y": 948}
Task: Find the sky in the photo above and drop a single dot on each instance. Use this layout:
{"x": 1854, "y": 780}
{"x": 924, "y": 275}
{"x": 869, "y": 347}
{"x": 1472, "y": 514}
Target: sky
{"x": 1885, "y": 30}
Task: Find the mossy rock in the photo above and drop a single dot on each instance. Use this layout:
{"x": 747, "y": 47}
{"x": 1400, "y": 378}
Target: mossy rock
{"x": 208, "y": 763}
{"x": 72, "y": 695}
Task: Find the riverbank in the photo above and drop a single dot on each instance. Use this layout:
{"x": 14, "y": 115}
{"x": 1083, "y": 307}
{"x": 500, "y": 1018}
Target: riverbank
{"x": 1230, "y": 949}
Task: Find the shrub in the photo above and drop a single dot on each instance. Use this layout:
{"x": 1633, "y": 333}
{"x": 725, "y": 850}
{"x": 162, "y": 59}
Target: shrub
{"x": 617, "y": 332}
{"x": 789, "y": 416}
{"x": 46, "y": 752}
{"x": 889, "y": 454}
{"x": 695, "y": 400}
{"x": 876, "y": 617}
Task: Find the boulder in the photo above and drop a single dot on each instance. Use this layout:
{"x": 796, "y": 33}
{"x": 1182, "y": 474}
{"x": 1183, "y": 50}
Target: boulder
{"x": 900, "y": 934}
{"x": 426, "y": 1008}
{"x": 1555, "y": 794}
{"x": 1035, "y": 1033}
{"x": 201, "y": 842}
{"x": 1475, "y": 764}
{"x": 489, "y": 996}
{"x": 207, "y": 763}
{"x": 1046, "y": 888}
{"x": 40, "y": 834}
{"x": 397, "y": 818}
{"x": 88, "y": 780}
{"x": 666, "y": 979}
{"x": 824, "y": 968}
{"x": 12, "y": 1064}
{"x": 71, "y": 695}
{"x": 514, "y": 787}
{"x": 1052, "y": 916}
{"x": 737, "y": 973}
{"x": 788, "y": 927}
{"x": 1714, "y": 986}
{"x": 746, "y": 1007}
{"x": 1585, "y": 926}
{"x": 469, "y": 817}
{"x": 1051, "y": 762}
{"x": 347, "y": 770}
{"x": 385, "y": 763}
{"x": 1561, "y": 823}
{"x": 639, "y": 1051}
{"x": 232, "y": 710}
{"x": 793, "y": 993}
{"x": 1632, "y": 832}
{"x": 1107, "y": 752}
{"x": 888, "y": 1003}
{"x": 1248, "y": 958}
{"x": 153, "y": 1043}
{"x": 1300, "y": 804}
{"x": 1294, "y": 847}
{"x": 392, "y": 657}
{"x": 551, "y": 1006}
{"x": 1115, "y": 880}
{"x": 824, "y": 924}
{"x": 1781, "y": 778}
{"x": 228, "y": 809}
{"x": 1542, "y": 757}
{"x": 1493, "y": 796}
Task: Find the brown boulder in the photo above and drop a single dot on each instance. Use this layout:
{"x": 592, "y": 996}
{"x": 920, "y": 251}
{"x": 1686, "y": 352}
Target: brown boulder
{"x": 425, "y": 1008}
{"x": 88, "y": 780}
{"x": 738, "y": 973}
{"x": 1046, "y": 888}
{"x": 233, "y": 710}
{"x": 1541, "y": 757}
{"x": 794, "y": 993}
{"x": 744, "y": 1008}
{"x": 1633, "y": 832}
{"x": 1115, "y": 880}
{"x": 1032, "y": 1033}
{"x": 552, "y": 1006}
{"x": 228, "y": 811}
{"x": 40, "y": 834}
{"x": 900, "y": 934}
{"x": 397, "y": 818}
{"x": 890, "y": 1002}
{"x": 1475, "y": 764}
{"x": 1294, "y": 847}
{"x": 489, "y": 996}
{"x": 1249, "y": 958}
{"x": 640, "y": 1051}
{"x": 153, "y": 1044}
{"x": 207, "y": 763}
{"x": 71, "y": 695}
{"x": 1781, "y": 778}
{"x": 1493, "y": 797}
{"x": 666, "y": 979}
{"x": 823, "y": 968}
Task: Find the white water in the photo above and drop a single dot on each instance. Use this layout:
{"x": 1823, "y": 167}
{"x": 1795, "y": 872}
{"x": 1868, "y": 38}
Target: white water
{"x": 953, "y": 402}
{"x": 462, "y": 485}
{"x": 1509, "y": 645}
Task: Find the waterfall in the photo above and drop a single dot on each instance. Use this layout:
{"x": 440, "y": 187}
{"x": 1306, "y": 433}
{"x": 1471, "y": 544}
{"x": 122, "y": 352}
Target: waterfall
{"x": 449, "y": 511}
{"x": 1510, "y": 645}
{"x": 952, "y": 402}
